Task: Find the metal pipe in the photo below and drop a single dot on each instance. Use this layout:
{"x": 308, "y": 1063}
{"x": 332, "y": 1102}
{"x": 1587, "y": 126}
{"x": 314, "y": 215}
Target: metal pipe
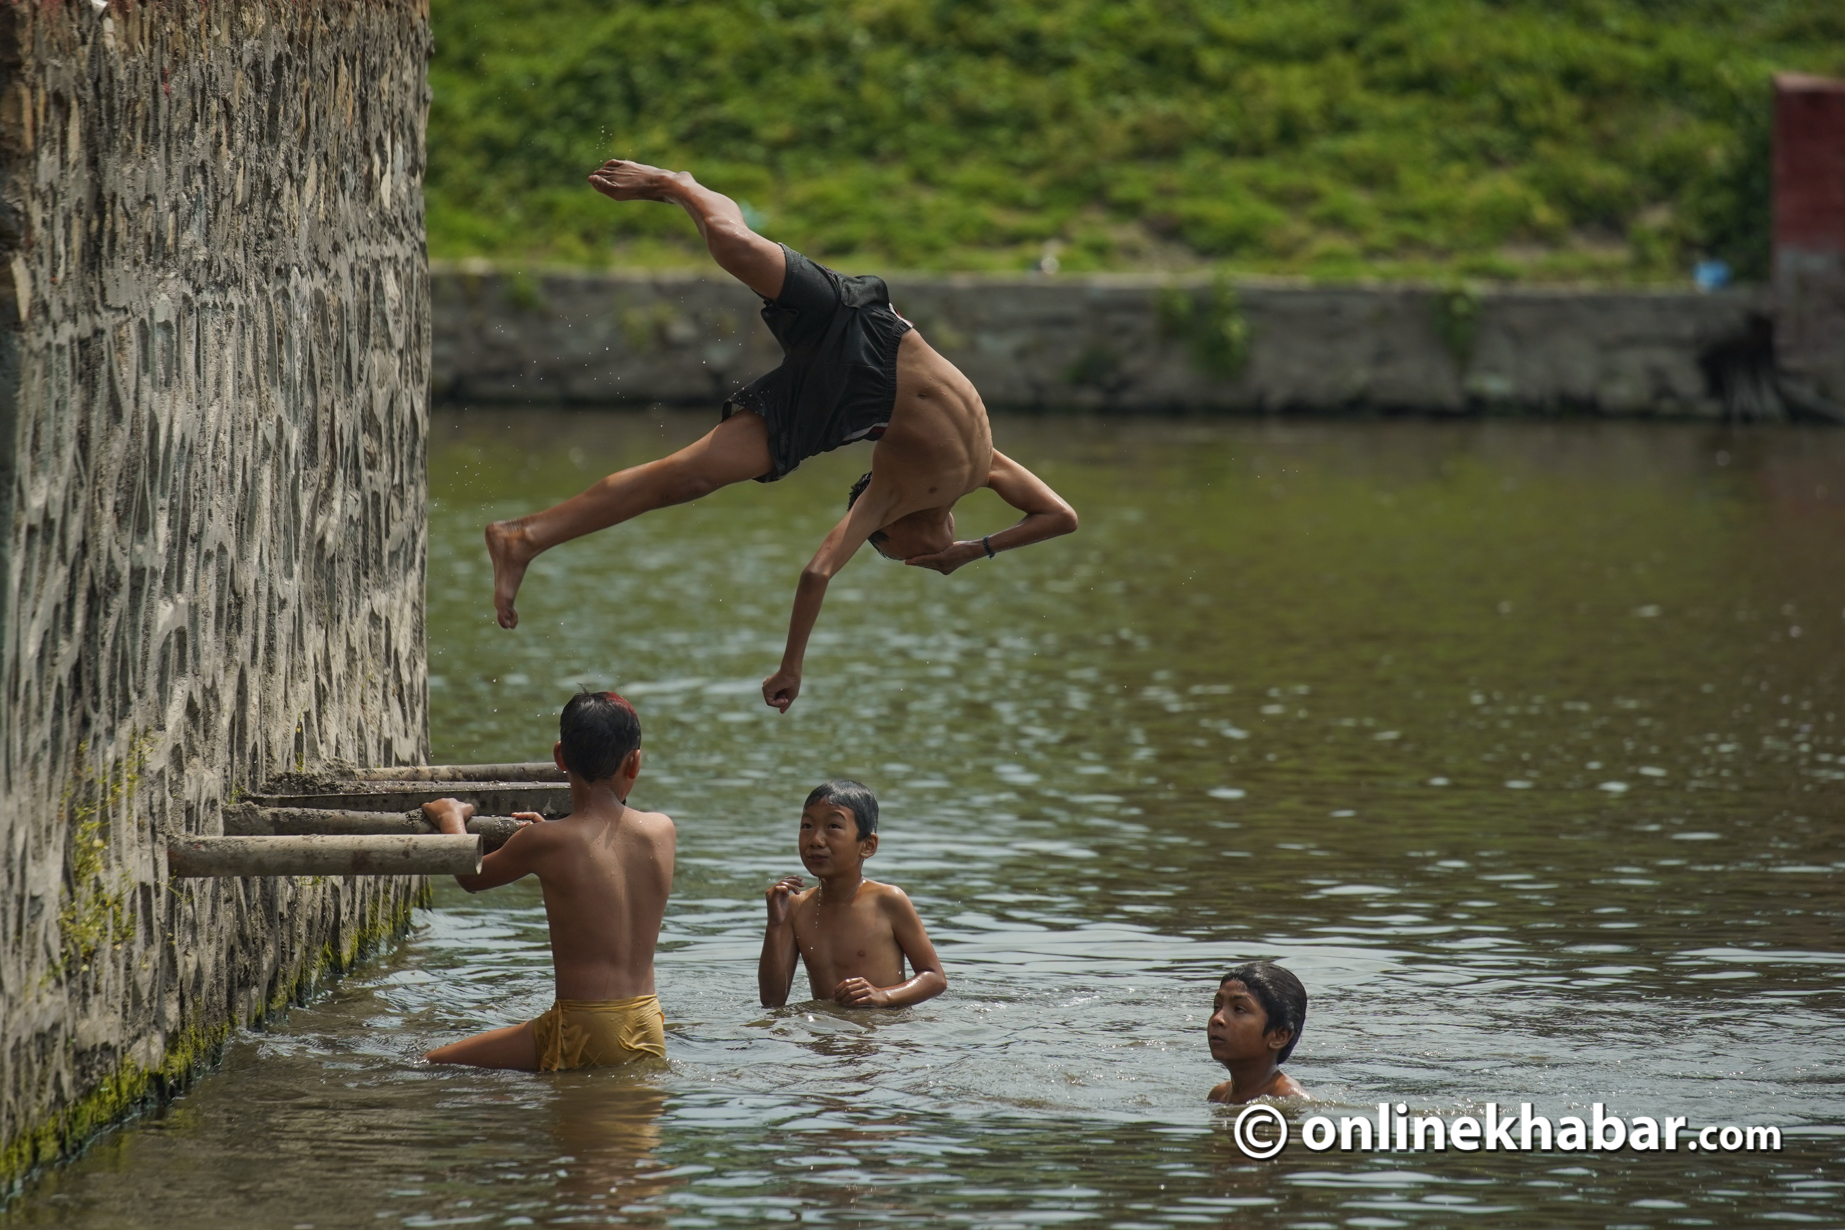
{"x": 489, "y": 798}
{"x": 244, "y": 820}
{"x": 320, "y": 855}
{"x": 527, "y": 771}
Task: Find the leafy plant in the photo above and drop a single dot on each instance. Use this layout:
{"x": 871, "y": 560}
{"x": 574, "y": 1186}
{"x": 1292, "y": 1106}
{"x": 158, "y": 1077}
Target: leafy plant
{"x": 1457, "y": 323}
{"x": 1210, "y": 323}
{"x": 1507, "y": 139}
{"x": 93, "y": 912}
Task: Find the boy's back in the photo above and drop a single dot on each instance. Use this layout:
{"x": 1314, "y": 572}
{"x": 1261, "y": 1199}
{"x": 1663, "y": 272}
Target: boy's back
{"x": 606, "y": 879}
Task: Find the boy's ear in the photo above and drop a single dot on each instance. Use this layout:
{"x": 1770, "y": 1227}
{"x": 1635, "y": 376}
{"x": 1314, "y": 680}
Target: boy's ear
{"x": 869, "y": 845}
{"x": 630, "y": 765}
{"x": 557, "y": 756}
{"x": 1278, "y": 1037}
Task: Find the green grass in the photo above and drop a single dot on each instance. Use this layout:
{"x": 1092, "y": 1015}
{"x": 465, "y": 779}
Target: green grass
{"x": 1608, "y": 140}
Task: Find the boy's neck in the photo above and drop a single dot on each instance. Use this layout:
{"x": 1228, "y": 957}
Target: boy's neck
{"x": 842, "y": 887}
{"x": 598, "y": 796}
{"x": 1249, "y": 1077}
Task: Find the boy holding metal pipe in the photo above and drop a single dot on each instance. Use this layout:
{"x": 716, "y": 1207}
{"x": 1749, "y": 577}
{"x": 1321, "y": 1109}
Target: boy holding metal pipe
{"x": 606, "y": 870}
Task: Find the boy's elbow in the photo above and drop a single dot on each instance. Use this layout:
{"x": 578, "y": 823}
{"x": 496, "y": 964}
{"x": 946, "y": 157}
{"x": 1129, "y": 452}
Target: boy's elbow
{"x": 1067, "y": 521}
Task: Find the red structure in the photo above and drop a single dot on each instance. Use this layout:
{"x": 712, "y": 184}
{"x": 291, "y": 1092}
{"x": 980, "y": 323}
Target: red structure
{"x": 1809, "y": 240}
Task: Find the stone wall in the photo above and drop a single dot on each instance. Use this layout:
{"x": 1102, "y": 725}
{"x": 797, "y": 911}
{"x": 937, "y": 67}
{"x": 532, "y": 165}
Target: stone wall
{"x": 213, "y": 375}
{"x": 1133, "y": 343}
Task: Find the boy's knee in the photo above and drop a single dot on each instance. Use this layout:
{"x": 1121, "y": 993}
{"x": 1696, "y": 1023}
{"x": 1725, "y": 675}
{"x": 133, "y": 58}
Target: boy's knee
{"x": 730, "y": 240}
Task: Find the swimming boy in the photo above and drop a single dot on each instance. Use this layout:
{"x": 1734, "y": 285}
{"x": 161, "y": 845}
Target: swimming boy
{"x": 1256, "y": 1019}
{"x": 853, "y": 370}
{"x": 606, "y": 870}
{"x": 853, "y": 934}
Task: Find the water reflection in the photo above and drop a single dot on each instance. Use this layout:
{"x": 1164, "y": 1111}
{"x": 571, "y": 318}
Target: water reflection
{"x": 605, "y": 1129}
{"x": 1518, "y": 743}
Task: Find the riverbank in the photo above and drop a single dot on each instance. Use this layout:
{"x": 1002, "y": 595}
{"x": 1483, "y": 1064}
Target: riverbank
{"x": 1136, "y": 343}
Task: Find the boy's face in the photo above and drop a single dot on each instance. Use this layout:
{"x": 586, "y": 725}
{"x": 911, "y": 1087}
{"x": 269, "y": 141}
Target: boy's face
{"x": 829, "y": 840}
{"x": 1239, "y": 1027}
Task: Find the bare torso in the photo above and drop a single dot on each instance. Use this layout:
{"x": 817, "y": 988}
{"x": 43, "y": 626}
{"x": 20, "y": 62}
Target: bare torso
{"x": 854, "y": 939}
{"x": 939, "y": 446}
{"x": 606, "y": 880}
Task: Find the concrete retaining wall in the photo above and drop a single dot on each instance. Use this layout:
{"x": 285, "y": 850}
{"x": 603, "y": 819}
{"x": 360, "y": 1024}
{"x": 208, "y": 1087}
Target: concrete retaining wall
{"x": 213, "y": 371}
{"x": 1131, "y": 344}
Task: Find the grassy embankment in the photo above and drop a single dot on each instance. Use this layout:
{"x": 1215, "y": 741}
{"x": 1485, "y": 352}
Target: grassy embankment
{"x": 1607, "y": 140}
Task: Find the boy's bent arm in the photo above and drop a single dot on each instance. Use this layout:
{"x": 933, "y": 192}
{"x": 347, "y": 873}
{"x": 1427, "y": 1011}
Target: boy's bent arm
{"x": 928, "y": 980}
{"x": 512, "y": 861}
{"x": 1047, "y": 515}
{"x": 775, "y": 971}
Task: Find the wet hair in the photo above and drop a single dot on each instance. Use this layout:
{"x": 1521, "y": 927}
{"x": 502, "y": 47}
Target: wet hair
{"x": 878, "y": 537}
{"x": 598, "y": 730}
{"x": 855, "y": 797}
{"x": 1281, "y": 995}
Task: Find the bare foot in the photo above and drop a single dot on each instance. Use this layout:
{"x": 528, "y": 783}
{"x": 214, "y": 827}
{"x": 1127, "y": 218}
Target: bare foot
{"x": 622, "y": 180}
{"x": 510, "y": 552}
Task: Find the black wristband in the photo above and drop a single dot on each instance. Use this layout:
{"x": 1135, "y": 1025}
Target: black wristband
{"x": 987, "y": 542}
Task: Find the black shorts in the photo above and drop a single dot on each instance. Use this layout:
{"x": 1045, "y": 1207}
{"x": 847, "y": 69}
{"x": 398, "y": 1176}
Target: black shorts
{"x": 838, "y": 378}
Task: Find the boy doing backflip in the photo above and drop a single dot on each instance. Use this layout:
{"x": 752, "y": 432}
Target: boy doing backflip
{"x": 606, "y": 870}
{"x": 852, "y": 933}
{"x": 852, "y": 370}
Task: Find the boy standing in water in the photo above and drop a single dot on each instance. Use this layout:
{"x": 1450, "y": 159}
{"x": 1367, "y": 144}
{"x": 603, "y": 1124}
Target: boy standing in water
{"x": 1256, "y": 1019}
{"x": 852, "y": 933}
{"x": 606, "y": 870}
{"x": 852, "y": 370}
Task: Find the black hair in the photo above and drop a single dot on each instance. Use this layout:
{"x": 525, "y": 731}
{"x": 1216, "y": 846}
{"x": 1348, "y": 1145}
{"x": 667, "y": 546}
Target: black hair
{"x": 855, "y": 797}
{"x": 878, "y": 537}
{"x": 598, "y": 730}
{"x": 1281, "y": 995}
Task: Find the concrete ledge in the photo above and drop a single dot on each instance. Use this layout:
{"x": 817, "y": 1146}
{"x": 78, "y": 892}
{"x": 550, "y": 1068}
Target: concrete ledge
{"x": 1132, "y": 343}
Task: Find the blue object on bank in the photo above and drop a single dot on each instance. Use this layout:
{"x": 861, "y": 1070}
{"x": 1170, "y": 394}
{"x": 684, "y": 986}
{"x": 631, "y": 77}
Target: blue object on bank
{"x": 1711, "y": 274}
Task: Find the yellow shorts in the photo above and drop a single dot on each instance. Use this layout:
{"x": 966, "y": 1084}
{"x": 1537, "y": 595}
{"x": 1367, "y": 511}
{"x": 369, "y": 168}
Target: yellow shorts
{"x": 587, "y": 1033}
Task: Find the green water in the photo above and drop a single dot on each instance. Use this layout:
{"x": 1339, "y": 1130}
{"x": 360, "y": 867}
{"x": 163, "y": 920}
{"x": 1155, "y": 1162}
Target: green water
{"x": 1519, "y": 743}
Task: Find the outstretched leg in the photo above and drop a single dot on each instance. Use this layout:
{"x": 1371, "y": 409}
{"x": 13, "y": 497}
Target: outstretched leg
{"x": 746, "y": 256}
{"x": 735, "y": 450}
{"x": 511, "y": 1047}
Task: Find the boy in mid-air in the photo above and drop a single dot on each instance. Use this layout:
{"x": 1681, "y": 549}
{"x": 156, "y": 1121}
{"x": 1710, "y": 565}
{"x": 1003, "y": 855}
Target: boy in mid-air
{"x": 852, "y": 933}
{"x": 606, "y": 870}
{"x": 852, "y": 370}
{"x": 1256, "y": 1019}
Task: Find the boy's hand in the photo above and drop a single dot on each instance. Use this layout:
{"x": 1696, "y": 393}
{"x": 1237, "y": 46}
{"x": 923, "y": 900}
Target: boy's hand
{"x": 780, "y": 689}
{"x": 780, "y": 895}
{"x": 528, "y": 817}
{"x": 449, "y": 816}
{"x": 947, "y": 561}
{"x": 857, "y": 993}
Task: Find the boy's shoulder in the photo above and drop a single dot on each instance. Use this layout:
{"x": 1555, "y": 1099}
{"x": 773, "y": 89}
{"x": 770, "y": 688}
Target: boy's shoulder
{"x": 889, "y": 895}
{"x": 643, "y": 821}
{"x": 581, "y": 828}
{"x": 651, "y": 821}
